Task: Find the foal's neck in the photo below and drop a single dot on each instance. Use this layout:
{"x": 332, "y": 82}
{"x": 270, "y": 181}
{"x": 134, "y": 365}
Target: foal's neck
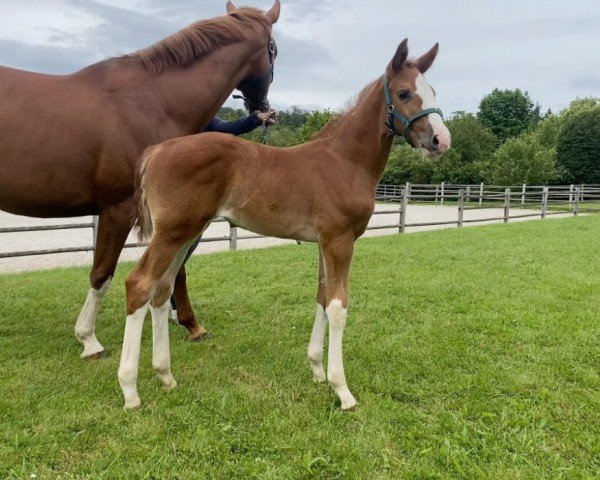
{"x": 362, "y": 133}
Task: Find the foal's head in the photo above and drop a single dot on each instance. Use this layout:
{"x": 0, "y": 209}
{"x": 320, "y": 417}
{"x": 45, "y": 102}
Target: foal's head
{"x": 255, "y": 87}
{"x": 413, "y": 108}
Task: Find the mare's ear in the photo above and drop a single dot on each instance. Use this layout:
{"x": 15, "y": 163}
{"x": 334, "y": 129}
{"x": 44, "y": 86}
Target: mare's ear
{"x": 273, "y": 14}
{"x": 230, "y": 7}
{"x": 424, "y": 62}
{"x": 400, "y": 56}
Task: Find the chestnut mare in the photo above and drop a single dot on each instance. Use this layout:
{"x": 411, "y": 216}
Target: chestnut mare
{"x": 322, "y": 191}
{"x": 71, "y": 144}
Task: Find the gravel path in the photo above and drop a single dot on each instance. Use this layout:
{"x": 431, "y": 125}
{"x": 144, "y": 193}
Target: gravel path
{"x": 11, "y": 242}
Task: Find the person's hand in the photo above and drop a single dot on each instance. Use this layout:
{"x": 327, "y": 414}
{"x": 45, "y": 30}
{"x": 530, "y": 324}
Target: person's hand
{"x": 270, "y": 117}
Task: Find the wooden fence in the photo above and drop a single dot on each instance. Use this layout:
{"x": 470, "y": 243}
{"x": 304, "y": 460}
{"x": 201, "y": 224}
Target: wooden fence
{"x": 573, "y": 199}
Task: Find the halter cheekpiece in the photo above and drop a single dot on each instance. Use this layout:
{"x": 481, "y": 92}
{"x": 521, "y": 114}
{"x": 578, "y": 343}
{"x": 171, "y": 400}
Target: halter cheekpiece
{"x": 394, "y": 114}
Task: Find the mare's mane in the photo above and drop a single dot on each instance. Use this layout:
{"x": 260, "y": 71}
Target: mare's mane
{"x": 200, "y": 39}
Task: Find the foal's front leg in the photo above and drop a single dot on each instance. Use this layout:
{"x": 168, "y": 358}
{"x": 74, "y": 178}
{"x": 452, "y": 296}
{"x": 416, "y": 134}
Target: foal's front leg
{"x": 338, "y": 256}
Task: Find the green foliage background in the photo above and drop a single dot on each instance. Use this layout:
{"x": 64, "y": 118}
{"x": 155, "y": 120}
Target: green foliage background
{"x": 507, "y": 142}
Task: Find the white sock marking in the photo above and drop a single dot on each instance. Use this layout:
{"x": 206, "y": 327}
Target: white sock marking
{"x": 130, "y": 357}
{"x": 161, "y": 353}
{"x": 315, "y": 346}
{"x": 337, "y": 314}
{"x": 86, "y": 323}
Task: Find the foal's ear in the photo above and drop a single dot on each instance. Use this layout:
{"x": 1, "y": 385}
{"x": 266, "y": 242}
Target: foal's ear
{"x": 230, "y": 7}
{"x": 400, "y": 57}
{"x": 424, "y": 62}
{"x": 273, "y": 14}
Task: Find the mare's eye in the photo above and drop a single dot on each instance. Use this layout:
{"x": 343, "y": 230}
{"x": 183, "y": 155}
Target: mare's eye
{"x": 404, "y": 95}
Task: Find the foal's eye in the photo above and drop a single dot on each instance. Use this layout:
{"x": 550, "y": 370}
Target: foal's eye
{"x": 404, "y": 95}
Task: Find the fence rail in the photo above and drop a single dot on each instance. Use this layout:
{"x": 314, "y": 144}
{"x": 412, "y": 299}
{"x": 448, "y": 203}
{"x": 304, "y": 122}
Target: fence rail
{"x": 554, "y": 200}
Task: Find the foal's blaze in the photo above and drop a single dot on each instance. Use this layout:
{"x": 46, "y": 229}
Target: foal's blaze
{"x": 322, "y": 191}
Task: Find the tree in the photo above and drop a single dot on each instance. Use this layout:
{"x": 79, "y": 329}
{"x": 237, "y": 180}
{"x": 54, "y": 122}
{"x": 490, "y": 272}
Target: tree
{"x": 407, "y": 164}
{"x": 507, "y": 113}
{"x": 521, "y": 160}
{"x": 472, "y": 144}
{"x": 315, "y": 121}
{"x": 579, "y": 144}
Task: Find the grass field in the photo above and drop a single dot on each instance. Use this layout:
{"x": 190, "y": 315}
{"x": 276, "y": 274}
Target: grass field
{"x": 473, "y": 354}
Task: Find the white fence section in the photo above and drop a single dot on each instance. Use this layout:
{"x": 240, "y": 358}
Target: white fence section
{"x": 514, "y": 202}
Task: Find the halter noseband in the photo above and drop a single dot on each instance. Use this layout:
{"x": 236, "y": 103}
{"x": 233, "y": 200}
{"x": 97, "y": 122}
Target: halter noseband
{"x": 394, "y": 114}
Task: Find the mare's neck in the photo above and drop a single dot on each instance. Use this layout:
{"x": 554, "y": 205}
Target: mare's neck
{"x": 191, "y": 96}
{"x": 362, "y": 134}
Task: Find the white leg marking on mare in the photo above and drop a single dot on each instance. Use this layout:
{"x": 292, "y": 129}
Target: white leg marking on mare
{"x": 315, "y": 346}
{"x": 86, "y": 323}
{"x": 130, "y": 357}
{"x": 337, "y": 314}
{"x": 161, "y": 353}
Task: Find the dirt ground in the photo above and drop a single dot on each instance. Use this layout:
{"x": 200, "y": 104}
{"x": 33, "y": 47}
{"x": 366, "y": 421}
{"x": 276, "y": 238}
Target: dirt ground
{"x": 12, "y": 242}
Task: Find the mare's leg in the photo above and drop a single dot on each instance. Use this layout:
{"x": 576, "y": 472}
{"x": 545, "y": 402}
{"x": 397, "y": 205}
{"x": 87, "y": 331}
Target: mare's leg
{"x": 113, "y": 228}
{"x": 337, "y": 255}
{"x": 317, "y": 337}
{"x": 185, "y": 314}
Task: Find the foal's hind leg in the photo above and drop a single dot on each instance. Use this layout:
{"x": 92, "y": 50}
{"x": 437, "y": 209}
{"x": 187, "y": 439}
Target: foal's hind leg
{"x": 317, "y": 337}
{"x": 113, "y": 228}
{"x": 151, "y": 281}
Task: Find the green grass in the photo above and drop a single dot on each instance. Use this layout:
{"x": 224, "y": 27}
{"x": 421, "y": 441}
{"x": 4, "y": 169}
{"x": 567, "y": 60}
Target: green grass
{"x": 473, "y": 354}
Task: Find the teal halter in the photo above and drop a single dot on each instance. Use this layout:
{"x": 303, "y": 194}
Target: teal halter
{"x": 395, "y": 114}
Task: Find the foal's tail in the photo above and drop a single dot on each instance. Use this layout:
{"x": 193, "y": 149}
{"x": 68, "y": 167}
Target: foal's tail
{"x": 143, "y": 221}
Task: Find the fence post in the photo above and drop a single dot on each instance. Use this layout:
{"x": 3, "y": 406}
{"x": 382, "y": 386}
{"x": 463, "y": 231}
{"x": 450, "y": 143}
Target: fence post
{"x": 576, "y": 209}
{"x": 481, "y": 194}
{"x": 544, "y": 202}
{"x": 506, "y": 205}
{"x": 571, "y": 190}
{"x": 523, "y": 193}
{"x": 407, "y": 191}
{"x": 233, "y": 237}
{"x": 442, "y": 189}
{"x": 403, "y": 205}
{"x": 95, "y": 221}
{"x": 468, "y": 193}
{"x": 461, "y": 207}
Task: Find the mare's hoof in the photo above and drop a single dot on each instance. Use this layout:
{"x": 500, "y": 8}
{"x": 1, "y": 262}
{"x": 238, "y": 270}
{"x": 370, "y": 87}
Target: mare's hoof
{"x": 198, "y": 335}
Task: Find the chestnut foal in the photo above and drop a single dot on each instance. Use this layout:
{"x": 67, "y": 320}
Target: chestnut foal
{"x": 322, "y": 191}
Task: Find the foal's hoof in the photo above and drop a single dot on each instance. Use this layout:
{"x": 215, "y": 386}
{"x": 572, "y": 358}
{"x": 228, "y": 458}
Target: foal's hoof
{"x": 347, "y": 400}
{"x": 132, "y": 404}
{"x": 94, "y": 356}
{"x": 199, "y": 334}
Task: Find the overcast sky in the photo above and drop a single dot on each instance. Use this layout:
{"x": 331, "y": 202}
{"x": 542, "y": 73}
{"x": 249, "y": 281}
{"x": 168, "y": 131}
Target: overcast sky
{"x": 329, "y": 49}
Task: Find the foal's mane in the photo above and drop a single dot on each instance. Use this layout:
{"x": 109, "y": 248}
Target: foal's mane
{"x": 337, "y": 119}
{"x": 200, "y": 39}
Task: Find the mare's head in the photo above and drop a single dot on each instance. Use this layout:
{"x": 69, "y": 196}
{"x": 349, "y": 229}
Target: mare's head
{"x": 412, "y": 106}
{"x": 255, "y": 86}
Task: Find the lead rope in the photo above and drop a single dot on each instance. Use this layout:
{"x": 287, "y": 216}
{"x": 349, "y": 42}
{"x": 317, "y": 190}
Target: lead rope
{"x": 265, "y": 131}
